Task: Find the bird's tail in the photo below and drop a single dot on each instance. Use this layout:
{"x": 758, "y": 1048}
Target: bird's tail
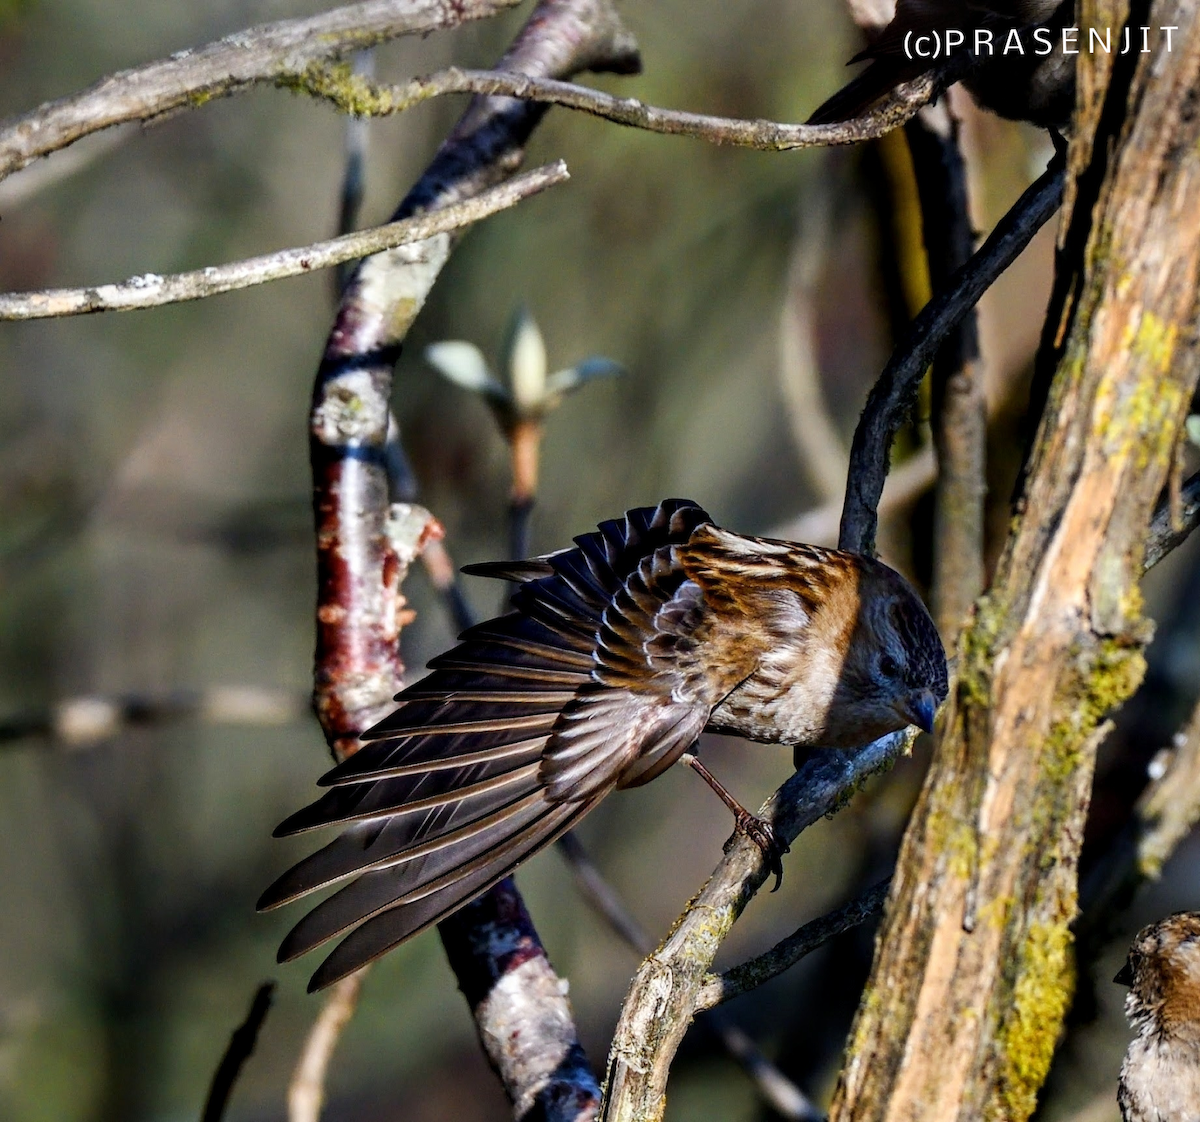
{"x": 860, "y": 93}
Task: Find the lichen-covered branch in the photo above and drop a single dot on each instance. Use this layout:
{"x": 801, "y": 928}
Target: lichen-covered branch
{"x": 192, "y": 77}
{"x": 973, "y": 972}
{"x": 151, "y": 290}
{"x": 664, "y": 994}
{"x": 352, "y": 93}
{"x": 358, "y": 665}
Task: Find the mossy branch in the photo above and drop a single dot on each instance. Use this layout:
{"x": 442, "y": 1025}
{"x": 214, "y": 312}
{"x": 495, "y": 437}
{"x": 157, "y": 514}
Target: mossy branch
{"x": 355, "y": 94}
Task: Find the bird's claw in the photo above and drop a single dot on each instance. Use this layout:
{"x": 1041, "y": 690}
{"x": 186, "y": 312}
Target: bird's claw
{"x": 763, "y": 836}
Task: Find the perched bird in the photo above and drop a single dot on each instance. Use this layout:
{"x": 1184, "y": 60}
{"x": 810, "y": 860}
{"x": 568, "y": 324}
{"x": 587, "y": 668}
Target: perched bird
{"x": 616, "y": 655}
{"x": 1160, "y": 1078}
{"x": 1037, "y": 85}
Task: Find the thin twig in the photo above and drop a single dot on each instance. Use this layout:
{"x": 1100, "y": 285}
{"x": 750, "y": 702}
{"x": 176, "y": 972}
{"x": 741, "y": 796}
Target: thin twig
{"x": 306, "y": 1091}
{"x": 192, "y": 77}
{"x": 240, "y": 1049}
{"x": 151, "y": 290}
{"x": 777, "y": 1090}
{"x": 352, "y": 94}
{"x": 718, "y": 988}
{"x": 88, "y": 720}
{"x": 354, "y": 174}
{"x": 892, "y": 396}
{"x": 1165, "y": 813}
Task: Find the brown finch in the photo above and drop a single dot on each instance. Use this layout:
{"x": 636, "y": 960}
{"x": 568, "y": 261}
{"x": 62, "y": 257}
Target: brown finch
{"x": 617, "y": 654}
{"x": 1037, "y": 85}
{"x": 1160, "y": 1078}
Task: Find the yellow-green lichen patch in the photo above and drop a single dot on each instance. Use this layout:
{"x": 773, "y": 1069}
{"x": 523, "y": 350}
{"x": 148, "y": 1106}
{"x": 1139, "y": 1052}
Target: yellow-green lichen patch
{"x": 1135, "y": 417}
{"x": 1028, "y": 1035}
{"x": 351, "y": 93}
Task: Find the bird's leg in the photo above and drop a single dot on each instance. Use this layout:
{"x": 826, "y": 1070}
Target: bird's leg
{"x": 753, "y": 827}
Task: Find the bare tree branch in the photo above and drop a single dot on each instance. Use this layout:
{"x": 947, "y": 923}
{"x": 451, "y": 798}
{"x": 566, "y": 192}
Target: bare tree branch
{"x": 88, "y": 720}
{"x": 959, "y": 417}
{"x": 718, "y": 988}
{"x": 306, "y": 1090}
{"x": 352, "y": 93}
{"x": 151, "y": 290}
{"x": 776, "y": 1089}
{"x": 891, "y": 398}
{"x": 1165, "y": 532}
{"x": 191, "y": 77}
{"x": 240, "y": 1049}
{"x": 520, "y": 1007}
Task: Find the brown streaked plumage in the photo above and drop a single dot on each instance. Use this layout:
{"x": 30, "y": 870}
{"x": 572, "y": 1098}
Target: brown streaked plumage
{"x": 1033, "y": 86}
{"x": 1160, "y": 1078}
{"x": 616, "y": 655}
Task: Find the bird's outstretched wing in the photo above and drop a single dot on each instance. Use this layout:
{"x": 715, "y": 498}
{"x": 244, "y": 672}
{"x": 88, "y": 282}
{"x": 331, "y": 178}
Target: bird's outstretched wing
{"x": 592, "y": 681}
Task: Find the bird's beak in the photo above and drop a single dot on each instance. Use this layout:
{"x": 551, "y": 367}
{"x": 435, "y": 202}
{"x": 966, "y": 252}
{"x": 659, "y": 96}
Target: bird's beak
{"x": 919, "y": 709}
{"x": 1124, "y": 975}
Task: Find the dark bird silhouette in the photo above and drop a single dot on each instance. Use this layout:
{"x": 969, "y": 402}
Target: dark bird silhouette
{"x": 1029, "y": 86}
{"x": 1160, "y": 1078}
{"x": 616, "y": 655}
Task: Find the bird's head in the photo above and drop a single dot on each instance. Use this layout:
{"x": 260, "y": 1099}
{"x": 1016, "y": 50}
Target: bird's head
{"x": 895, "y": 667}
{"x": 1163, "y": 976}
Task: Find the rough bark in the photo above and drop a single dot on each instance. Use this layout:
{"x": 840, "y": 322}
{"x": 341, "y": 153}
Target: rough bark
{"x": 973, "y": 971}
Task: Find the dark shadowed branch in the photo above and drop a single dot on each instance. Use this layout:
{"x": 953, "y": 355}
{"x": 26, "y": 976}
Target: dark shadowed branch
{"x": 240, "y": 1049}
{"x": 1170, "y": 528}
{"x": 959, "y": 414}
{"x": 892, "y": 396}
{"x": 741, "y": 979}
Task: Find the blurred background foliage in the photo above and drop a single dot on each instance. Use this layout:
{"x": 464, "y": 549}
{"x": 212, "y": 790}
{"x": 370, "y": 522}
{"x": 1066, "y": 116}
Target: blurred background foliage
{"x": 155, "y": 535}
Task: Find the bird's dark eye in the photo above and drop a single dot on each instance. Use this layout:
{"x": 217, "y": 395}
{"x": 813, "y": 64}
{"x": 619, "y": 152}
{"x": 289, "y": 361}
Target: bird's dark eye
{"x": 888, "y": 667}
